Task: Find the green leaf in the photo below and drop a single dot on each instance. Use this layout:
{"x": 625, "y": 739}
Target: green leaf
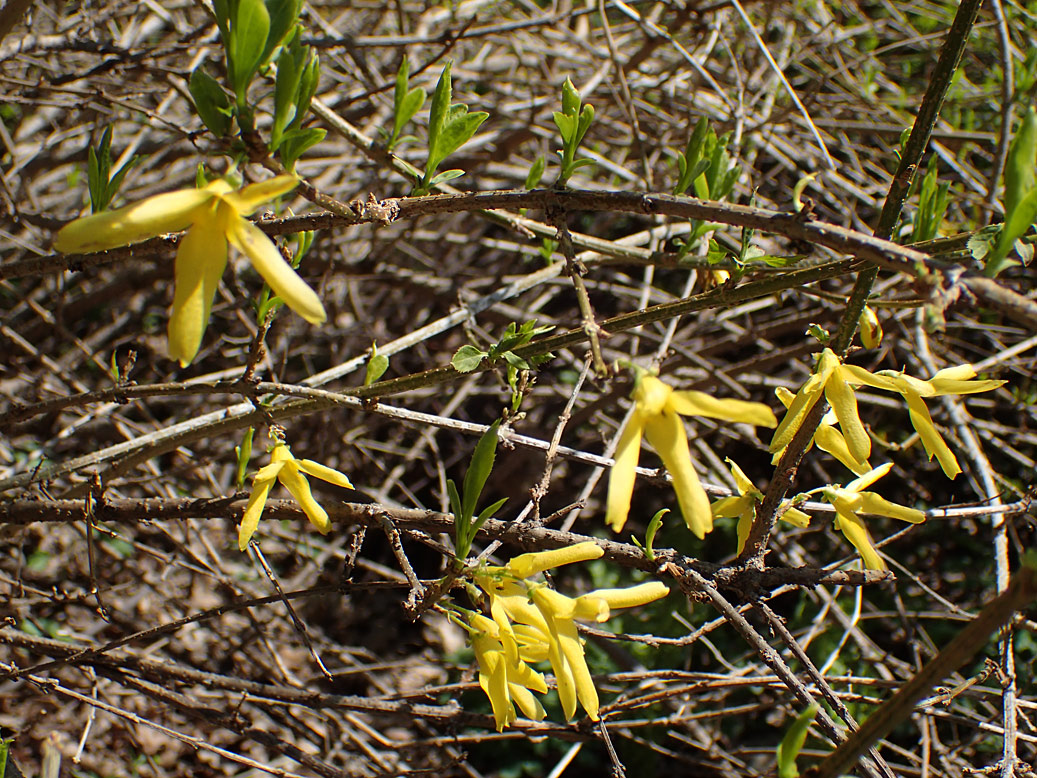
{"x": 515, "y": 360}
{"x": 295, "y": 143}
{"x": 377, "y": 364}
{"x": 286, "y": 87}
{"x": 437, "y": 116}
{"x": 536, "y": 172}
{"x": 570, "y": 98}
{"x": 467, "y": 359}
{"x": 455, "y": 500}
{"x": 793, "y": 741}
{"x": 446, "y": 175}
{"x": 454, "y": 134}
{"x": 566, "y": 126}
{"x": 307, "y": 88}
{"x": 248, "y": 35}
{"x": 283, "y": 15}
{"x": 479, "y": 469}
{"x": 243, "y": 452}
{"x": 1019, "y": 167}
{"x": 211, "y": 102}
{"x": 406, "y": 102}
{"x": 486, "y": 513}
{"x": 1016, "y": 226}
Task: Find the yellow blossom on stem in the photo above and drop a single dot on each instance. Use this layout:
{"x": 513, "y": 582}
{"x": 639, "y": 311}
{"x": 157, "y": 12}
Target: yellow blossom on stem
{"x": 827, "y": 438}
{"x": 951, "y": 380}
{"x": 657, "y": 411}
{"x": 744, "y": 506}
{"x": 532, "y": 623}
{"x": 289, "y": 471}
{"x": 213, "y": 217}
{"x": 833, "y": 379}
{"x": 850, "y": 500}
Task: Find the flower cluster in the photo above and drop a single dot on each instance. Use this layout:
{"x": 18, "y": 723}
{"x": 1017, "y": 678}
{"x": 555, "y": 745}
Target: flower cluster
{"x": 836, "y": 381}
{"x": 213, "y": 217}
{"x": 284, "y": 467}
{"x": 657, "y": 411}
{"x": 849, "y": 501}
{"x": 744, "y": 506}
{"x": 529, "y": 622}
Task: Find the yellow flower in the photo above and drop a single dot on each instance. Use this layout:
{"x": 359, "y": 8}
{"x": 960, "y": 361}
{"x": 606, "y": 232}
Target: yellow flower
{"x": 535, "y": 623}
{"x": 827, "y": 438}
{"x": 504, "y": 678}
{"x": 833, "y": 379}
{"x": 849, "y": 500}
{"x": 528, "y": 565}
{"x": 289, "y": 471}
{"x": 951, "y": 380}
{"x": 657, "y": 412}
{"x": 213, "y": 217}
{"x": 744, "y": 506}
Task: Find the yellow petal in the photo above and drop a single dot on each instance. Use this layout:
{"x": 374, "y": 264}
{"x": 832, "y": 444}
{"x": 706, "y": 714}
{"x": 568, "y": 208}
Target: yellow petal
{"x": 933, "y": 442}
{"x": 830, "y": 440}
{"x": 200, "y": 261}
{"x": 880, "y": 506}
{"x": 564, "y": 632}
{"x": 867, "y": 479}
{"x": 743, "y": 527}
{"x": 268, "y": 262}
{"x": 494, "y": 680}
{"x": 855, "y": 531}
{"x": 253, "y": 511}
{"x": 955, "y": 373}
{"x": 745, "y": 486}
{"x": 692, "y": 403}
{"x": 844, "y": 403}
{"x": 621, "y": 479}
{"x": 631, "y": 596}
{"x": 300, "y": 489}
{"x": 947, "y": 382}
{"x": 247, "y": 199}
{"x": 665, "y": 433}
{"x": 169, "y": 212}
{"x": 526, "y": 565}
{"x": 590, "y": 607}
{"x": 530, "y": 705}
{"x": 729, "y": 507}
{"x": 875, "y": 380}
{"x": 324, "y": 473}
{"x": 796, "y": 517}
{"x": 804, "y": 400}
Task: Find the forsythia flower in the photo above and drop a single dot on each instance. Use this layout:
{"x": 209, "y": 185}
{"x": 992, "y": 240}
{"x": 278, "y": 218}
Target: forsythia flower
{"x": 289, "y": 471}
{"x": 827, "y": 438}
{"x": 951, "y": 380}
{"x": 656, "y": 416}
{"x": 213, "y": 217}
{"x": 849, "y": 500}
{"x": 833, "y": 379}
{"x": 530, "y": 622}
{"x": 744, "y": 506}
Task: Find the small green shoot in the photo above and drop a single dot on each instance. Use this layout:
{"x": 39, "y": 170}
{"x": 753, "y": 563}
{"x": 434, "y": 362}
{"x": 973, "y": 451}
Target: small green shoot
{"x": 706, "y": 167}
{"x": 377, "y": 364}
{"x": 102, "y": 183}
{"x": 450, "y": 126}
{"x": 653, "y": 527}
{"x": 243, "y": 453}
{"x": 1020, "y": 197}
{"x": 466, "y": 523}
{"x": 406, "y": 103}
{"x": 572, "y": 121}
{"x": 468, "y": 358}
{"x": 793, "y": 741}
{"x": 298, "y": 72}
{"x": 932, "y": 205}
